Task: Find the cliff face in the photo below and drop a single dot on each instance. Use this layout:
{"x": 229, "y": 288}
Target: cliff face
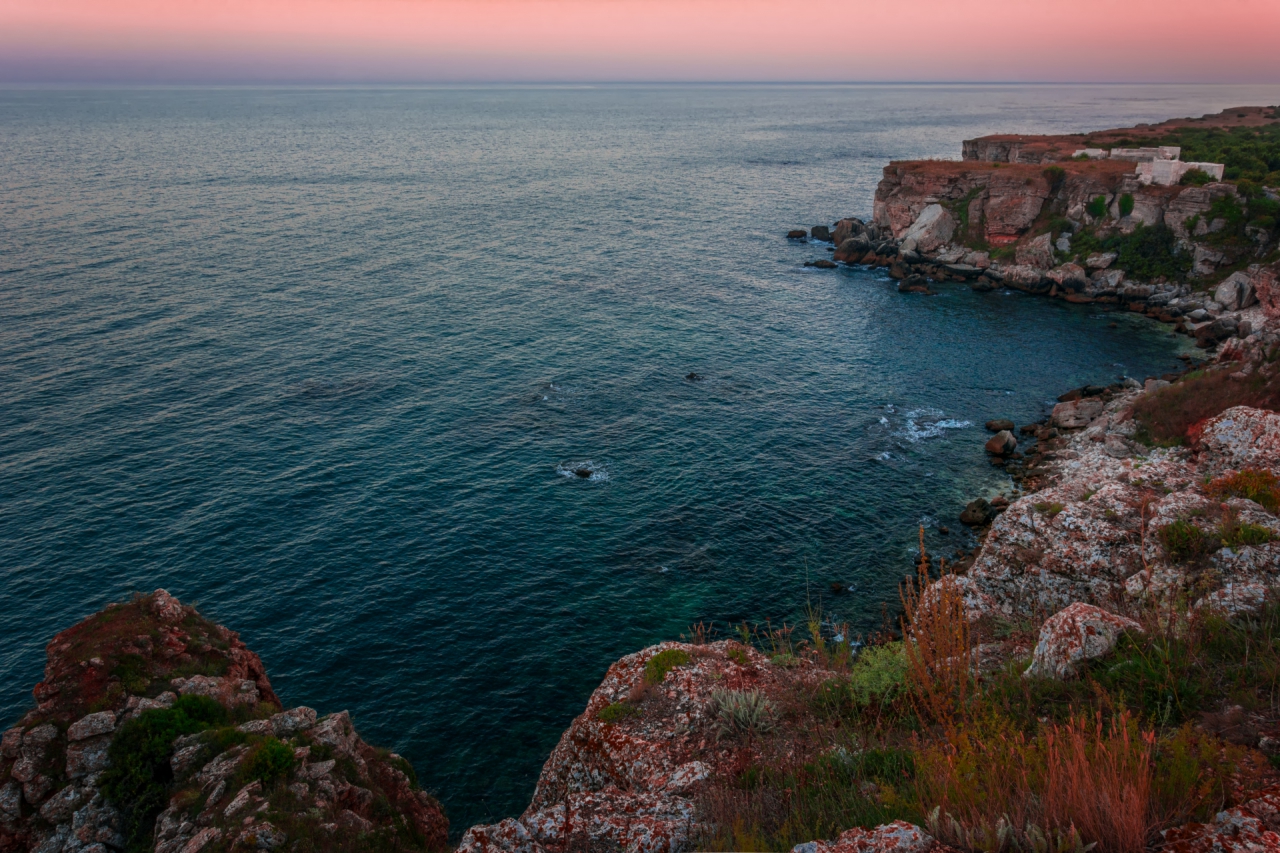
{"x": 156, "y": 729}
{"x": 1001, "y": 204}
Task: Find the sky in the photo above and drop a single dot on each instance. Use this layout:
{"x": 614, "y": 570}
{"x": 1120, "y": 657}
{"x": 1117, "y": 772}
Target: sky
{"x": 365, "y": 41}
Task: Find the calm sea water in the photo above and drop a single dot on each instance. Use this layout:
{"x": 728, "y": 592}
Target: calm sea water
{"x": 322, "y": 361}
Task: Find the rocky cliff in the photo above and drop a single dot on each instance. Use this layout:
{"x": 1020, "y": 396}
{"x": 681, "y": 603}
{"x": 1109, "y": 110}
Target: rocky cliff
{"x": 156, "y": 729}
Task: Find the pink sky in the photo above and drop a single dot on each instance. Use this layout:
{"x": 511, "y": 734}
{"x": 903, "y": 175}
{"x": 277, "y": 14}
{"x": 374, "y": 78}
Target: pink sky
{"x": 458, "y": 40}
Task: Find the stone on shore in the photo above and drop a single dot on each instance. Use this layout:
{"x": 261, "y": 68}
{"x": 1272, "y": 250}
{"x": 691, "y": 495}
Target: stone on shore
{"x": 1002, "y": 443}
{"x": 977, "y": 513}
{"x": 999, "y": 424}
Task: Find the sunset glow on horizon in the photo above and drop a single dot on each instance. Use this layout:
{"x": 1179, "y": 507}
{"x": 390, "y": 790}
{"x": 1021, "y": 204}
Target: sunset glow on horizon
{"x": 569, "y": 40}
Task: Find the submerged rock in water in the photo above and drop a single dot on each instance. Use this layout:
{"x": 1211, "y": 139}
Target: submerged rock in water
{"x": 797, "y": 234}
{"x": 582, "y": 472}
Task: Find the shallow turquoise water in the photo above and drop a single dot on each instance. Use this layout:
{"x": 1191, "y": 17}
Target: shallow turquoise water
{"x": 323, "y": 360}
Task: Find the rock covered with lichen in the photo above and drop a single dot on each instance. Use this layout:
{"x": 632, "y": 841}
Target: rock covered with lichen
{"x": 626, "y": 774}
{"x": 155, "y": 728}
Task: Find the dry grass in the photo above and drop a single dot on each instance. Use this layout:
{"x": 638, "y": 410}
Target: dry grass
{"x": 1261, "y": 487}
{"x": 938, "y": 643}
{"x": 1167, "y": 415}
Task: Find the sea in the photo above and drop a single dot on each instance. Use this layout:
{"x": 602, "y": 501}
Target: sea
{"x": 330, "y": 362}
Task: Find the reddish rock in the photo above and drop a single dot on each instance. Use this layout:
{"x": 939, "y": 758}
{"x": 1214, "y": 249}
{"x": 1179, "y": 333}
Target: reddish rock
{"x": 1037, "y": 252}
{"x": 1002, "y": 443}
{"x": 1247, "y": 828}
{"x": 1077, "y": 634}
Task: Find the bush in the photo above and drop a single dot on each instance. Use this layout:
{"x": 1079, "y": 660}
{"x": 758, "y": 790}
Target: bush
{"x": 1169, "y": 413}
{"x": 617, "y": 712}
{"x": 879, "y": 674}
{"x": 1183, "y": 541}
{"x": 1054, "y": 175}
{"x": 1097, "y": 208}
{"x": 738, "y": 656}
{"x": 741, "y": 712}
{"x": 137, "y": 779}
{"x": 1195, "y": 178}
{"x": 1126, "y": 204}
{"x": 1254, "y": 484}
{"x": 268, "y": 761}
{"x": 1147, "y": 252}
{"x": 663, "y": 662}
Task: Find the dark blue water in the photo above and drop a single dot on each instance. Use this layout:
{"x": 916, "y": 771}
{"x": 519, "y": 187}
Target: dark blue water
{"x": 321, "y": 360}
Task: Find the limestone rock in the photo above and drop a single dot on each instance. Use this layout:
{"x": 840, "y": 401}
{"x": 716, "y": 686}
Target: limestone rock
{"x": 1240, "y": 437}
{"x": 932, "y": 229}
{"x": 1230, "y": 294}
{"x": 1075, "y": 414}
{"x": 1100, "y": 260}
{"x": 1247, "y": 828}
{"x": 1037, "y": 252}
{"x": 820, "y": 232}
{"x": 1077, "y": 634}
{"x": 92, "y": 725}
{"x": 896, "y": 837}
{"x": 998, "y": 424}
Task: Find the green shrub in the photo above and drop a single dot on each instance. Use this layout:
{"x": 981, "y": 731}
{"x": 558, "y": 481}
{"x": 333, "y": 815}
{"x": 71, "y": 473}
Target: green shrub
{"x": 1183, "y": 541}
{"x": 1195, "y": 178}
{"x": 1054, "y": 175}
{"x": 662, "y": 663}
{"x": 879, "y": 674}
{"x": 268, "y": 761}
{"x": 1236, "y": 534}
{"x": 133, "y": 672}
{"x": 1049, "y": 509}
{"x": 139, "y": 773}
{"x": 1097, "y": 208}
{"x": 1126, "y": 204}
{"x": 617, "y": 712}
{"x": 741, "y": 712}
{"x": 738, "y": 656}
{"x": 1147, "y": 252}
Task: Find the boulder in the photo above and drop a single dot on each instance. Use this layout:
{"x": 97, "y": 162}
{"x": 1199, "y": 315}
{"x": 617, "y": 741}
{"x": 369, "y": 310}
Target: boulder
{"x": 797, "y": 234}
{"x": 1068, "y": 277}
{"x": 1075, "y": 414}
{"x": 999, "y": 424}
{"x": 896, "y": 837}
{"x": 1100, "y": 260}
{"x": 1231, "y": 293}
{"x": 847, "y": 228}
{"x": 1024, "y": 277}
{"x": 1077, "y": 634}
{"x": 852, "y": 249}
{"x": 977, "y": 513}
{"x": 820, "y": 232}
{"x": 914, "y": 284}
{"x": 1002, "y": 443}
{"x": 1037, "y": 253}
{"x": 821, "y": 263}
{"x": 930, "y": 231}
{"x": 92, "y": 725}
{"x": 1240, "y": 437}
{"x": 1217, "y": 331}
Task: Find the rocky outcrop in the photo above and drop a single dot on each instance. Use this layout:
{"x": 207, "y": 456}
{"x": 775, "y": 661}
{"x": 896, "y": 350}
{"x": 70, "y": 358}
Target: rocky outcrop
{"x": 625, "y": 774}
{"x": 126, "y": 668}
{"x": 1079, "y": 633}
{"x": 1092, "y": 535}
